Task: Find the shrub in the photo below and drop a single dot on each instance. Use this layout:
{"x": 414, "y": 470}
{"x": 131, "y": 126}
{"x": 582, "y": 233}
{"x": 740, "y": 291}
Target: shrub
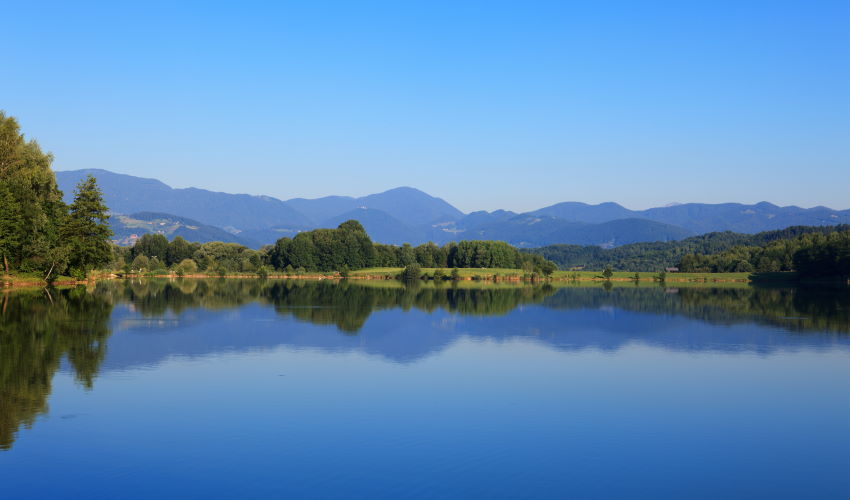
{"x": 140, "y": 263}
{"x": 77, "y": 273}
{"x": 186, "y": 266}
{"x": 411, "y": 272}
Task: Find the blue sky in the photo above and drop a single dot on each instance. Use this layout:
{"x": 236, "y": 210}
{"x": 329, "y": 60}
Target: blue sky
{"x": 489, "y": 105}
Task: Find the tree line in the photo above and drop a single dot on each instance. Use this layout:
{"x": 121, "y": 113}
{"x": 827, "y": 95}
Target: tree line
{"x": 39, "y": 233}
{"x": 346, "y": 248}
{"x": 655, "y": 256}
{"x": 813, "y": 255}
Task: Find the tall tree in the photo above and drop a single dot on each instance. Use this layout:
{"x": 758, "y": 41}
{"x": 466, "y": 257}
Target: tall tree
{"x": 31, "y": 240}
{"x": 86, "y": 232}
{"x": 10, "y": 222}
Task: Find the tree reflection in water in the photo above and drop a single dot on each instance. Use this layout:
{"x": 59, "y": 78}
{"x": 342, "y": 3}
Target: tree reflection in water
{"x": 40, "y": 328}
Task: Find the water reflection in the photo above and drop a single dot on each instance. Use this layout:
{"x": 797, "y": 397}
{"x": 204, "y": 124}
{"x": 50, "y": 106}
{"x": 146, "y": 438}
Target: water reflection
{"x": 41, "y": 328}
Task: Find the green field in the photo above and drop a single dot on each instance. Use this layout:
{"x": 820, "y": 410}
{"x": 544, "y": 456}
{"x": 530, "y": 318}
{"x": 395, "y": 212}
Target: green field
{"x": 502, "y": 273}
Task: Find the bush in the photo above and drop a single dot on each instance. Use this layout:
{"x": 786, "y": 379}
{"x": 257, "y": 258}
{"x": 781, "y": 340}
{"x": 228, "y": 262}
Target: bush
{"x": 77, "y": 273}
{"x": 411, "y": 272}
{"x": 186, "y": 266}
{"x": 438, "y": 275}
{"x": 455, "y": 274}
{"x": 262, "y": 272}
{"x": 140, "y": 263}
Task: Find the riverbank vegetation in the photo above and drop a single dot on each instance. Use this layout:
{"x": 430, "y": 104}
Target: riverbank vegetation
{"x": 342, "y": 251}
{"x": 39, "y": 234}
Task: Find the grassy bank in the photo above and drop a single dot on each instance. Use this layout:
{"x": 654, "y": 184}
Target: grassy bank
{"x": 465, "y": 274}
{"x": 519, "y": 274}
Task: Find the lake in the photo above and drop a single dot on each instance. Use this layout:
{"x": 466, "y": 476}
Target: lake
{"x": 303, "y": 389}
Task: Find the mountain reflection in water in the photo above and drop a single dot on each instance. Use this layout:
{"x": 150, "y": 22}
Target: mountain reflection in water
{"x": 117, "y": 325}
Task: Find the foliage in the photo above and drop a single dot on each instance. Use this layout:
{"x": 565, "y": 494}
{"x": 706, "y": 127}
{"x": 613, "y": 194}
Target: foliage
{"x": 647, "y": 257}
{"x": 140, "y": 263}
{"x": 825, "y": 259}
{"x": 187, "y": 266}
{"x": 411, "y": 272}
{"x": 325, "y": 249}
{"x": 86, "y": 231}
{"x": 350, "y": 247}
{"x": 814, "y": 254}
{"x": 32, "y": 213}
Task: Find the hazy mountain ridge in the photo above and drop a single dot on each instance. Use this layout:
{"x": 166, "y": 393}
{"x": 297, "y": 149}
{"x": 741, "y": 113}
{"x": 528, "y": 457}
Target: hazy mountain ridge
{"x": 127, "y": 228}
{"x": 705, "y": 218}
{"x": 406, "y": 214}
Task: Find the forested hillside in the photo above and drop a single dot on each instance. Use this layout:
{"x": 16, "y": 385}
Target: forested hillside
{"x": 814, "y": 254}
{"x": 659, "y": 255}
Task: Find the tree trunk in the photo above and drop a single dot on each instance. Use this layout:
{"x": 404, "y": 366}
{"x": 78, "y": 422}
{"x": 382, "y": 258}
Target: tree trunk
{"x": 46, "y": 278}
{"x": 6, "y": 264}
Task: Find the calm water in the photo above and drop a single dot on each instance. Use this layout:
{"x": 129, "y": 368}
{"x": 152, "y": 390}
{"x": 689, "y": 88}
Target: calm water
{"x": 235, "y": 389}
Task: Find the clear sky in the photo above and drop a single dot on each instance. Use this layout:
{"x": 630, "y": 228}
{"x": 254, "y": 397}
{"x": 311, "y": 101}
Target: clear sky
{"x": 487, "y": 104}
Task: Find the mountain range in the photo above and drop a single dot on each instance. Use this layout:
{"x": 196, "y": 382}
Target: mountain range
{"x": 408, "y": 215}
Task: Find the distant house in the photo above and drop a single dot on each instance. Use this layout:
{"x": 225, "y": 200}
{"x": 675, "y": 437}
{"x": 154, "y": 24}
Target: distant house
{"x": 671, "y": 269}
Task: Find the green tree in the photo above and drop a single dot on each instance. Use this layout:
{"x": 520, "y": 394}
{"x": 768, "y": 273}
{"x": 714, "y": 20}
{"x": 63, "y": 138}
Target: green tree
{"x": 140, "y": 263}
{"x": 411, "y": 272}
{"x": 607, "y": 273}
{"x": 547, "y": 268}
{"x": 187, "y": 266}
{"x": 10, "y": 222}
{"x": 151, "y": 245}
{"x": 178, "y": 250}
{"x": 86, "y": 231}
{"x": 33, "y": 209}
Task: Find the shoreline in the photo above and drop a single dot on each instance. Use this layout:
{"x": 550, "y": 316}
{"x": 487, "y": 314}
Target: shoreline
{"x": 10, "y": 282}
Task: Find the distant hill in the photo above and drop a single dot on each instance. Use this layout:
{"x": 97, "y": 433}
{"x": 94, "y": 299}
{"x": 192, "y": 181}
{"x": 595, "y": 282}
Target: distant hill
{"x": 126, "y": 194}
{"x": 408, "y": 205}
{"x": 406, "y": 214}
{"x": 127, "y": 228}
{"x": 528, "y": 230}
{"x": 381, "y": 226}
{"x": 704, "y": 218}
